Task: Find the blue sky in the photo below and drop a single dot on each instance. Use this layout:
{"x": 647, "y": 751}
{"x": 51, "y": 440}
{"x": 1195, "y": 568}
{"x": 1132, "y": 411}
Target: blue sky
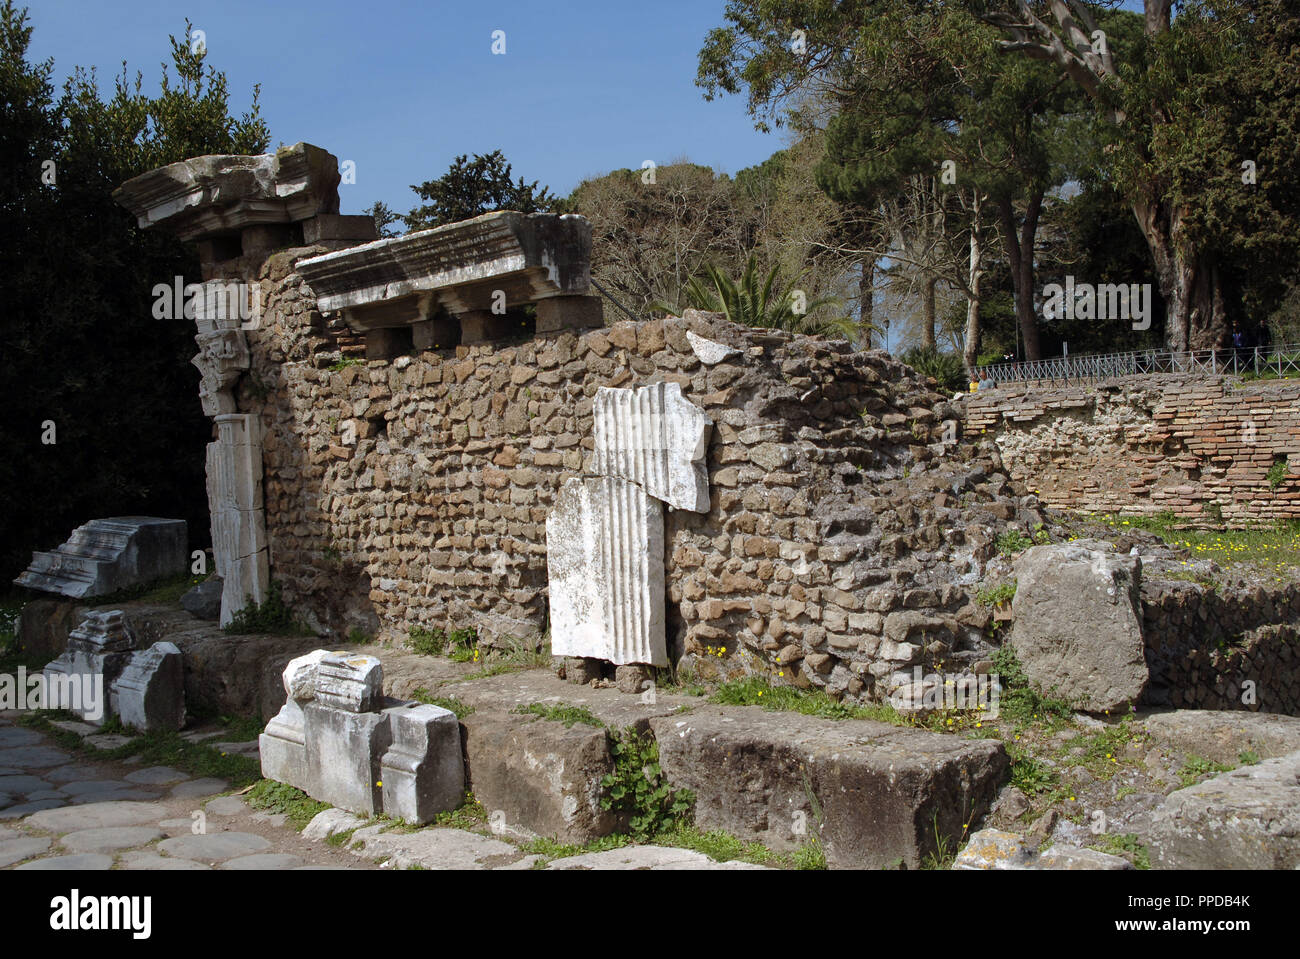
{"x": 401, "y": 89}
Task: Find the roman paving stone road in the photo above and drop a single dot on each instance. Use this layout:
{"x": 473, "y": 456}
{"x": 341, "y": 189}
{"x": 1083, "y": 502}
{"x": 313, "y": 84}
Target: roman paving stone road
{"x": 61, "y": 812}
{"x": 58, "y": 811}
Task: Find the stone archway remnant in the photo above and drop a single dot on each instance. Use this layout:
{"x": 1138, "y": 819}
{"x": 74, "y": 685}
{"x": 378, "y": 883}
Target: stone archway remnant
{"x": 237, "y": 208}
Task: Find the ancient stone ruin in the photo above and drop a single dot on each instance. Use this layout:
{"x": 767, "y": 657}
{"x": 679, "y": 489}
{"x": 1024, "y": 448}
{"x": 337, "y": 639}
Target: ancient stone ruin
{"x": 438, "y": 432}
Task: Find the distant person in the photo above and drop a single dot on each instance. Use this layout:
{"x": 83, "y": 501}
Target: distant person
{"x": 1240, "y": 346}
{"x": 1263, "y": 338}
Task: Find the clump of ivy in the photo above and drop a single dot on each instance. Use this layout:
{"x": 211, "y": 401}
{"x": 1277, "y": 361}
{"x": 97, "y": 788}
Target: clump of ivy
{"x": 344, "y": 363}
{"x": 639, "y": 787}
{"x": 271, "y": 616}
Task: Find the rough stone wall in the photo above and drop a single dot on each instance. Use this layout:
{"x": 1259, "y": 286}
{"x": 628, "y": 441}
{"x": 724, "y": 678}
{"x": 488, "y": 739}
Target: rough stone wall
{"x": 1203, "y": 645}
{"x": 843, "y": 542}
{"x": 1198, "y": 447}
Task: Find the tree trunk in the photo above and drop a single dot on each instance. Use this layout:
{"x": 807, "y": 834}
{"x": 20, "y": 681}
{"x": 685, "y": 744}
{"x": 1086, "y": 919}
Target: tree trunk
{"x": 1195, "y": 316}
{"x": 971, "y": 339}
{"x": 927, "y": 313}
{"x": 866, "y": 298}
{"x": 1019, "y": 246}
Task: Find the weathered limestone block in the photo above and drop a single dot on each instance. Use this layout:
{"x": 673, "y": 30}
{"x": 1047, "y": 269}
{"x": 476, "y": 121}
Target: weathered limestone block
{"x": 502, "y": 257}
{"x": 211, "y": 195}
{"x": 345, "y": 734}
{"x": 44, "y": 626}
{"x": 884, "y": 792}
{"x": 1245, "y": 819}
{"x": 1221, "y": 736}
{"x": 106, "y": 555}
{"x": 300, "y": 675}
{"x": 997, "y": 850}
{"x": 537, "y": 778}
{"x": 656, "y": 438}
{"x": 338, "y": 740}
{"x": 283, "y": 748}
{"x": 204, "y": 600}
{"x": 150, "y": 693}
{"x": 423, "y": 771}
{"x": 234, "y": 474}
{"x": 604, "y": 559}
{"x": 1073, "y": 858}
{"x": 102, "y": 631}
{"x": 710, "y": 352}
{"x": 557, "y": 313}
{"x": 483, "y": 326}
{"x": 1078, "y": 625}
{"x": 328, "y": 227}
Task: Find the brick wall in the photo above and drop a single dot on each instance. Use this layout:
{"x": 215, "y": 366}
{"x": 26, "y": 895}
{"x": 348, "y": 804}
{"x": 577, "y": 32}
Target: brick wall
{"x": 1198, "y": 447}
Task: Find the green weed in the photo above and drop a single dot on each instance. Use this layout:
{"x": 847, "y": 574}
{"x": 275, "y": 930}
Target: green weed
{"x": 561, "y": 713}
{"x": 638, "y": 787}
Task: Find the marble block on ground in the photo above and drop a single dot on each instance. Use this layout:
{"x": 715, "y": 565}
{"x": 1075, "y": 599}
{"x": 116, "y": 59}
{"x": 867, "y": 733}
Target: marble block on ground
{"x": 81, "y": 680}
{"x": 283, "y": 744}
{"x": 423, "y": 772}
{"x": 106, "y": 555}
{"x": 343, "y": 757}
{"x": 150, "y": 693}
{"x": 350, "y": 682}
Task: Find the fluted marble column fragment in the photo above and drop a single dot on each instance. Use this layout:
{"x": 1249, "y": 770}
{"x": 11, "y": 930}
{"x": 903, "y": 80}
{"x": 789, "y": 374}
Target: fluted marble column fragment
{"x": 235, "y": 503}
{"x": 605, "y": 563}
{"x": 656, "y": 438}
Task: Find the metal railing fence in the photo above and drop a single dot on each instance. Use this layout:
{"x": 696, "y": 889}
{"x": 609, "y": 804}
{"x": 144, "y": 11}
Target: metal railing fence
{"x": 1282, "y": 360}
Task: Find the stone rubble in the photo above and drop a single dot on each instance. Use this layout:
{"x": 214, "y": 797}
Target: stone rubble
{"x": 993, "y": 849}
